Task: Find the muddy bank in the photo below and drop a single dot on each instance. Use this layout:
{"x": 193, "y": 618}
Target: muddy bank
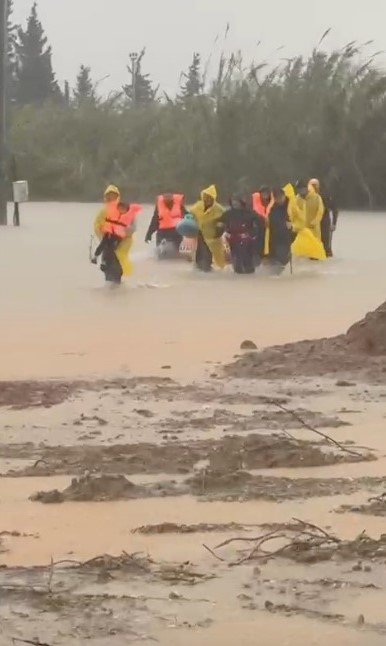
{"x": 231, "y": 453}
{"x": 224, "y": 485}
{"x": 358, "y": 354}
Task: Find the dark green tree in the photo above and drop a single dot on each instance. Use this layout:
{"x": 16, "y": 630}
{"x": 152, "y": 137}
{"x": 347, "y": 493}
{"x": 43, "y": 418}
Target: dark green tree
{"x": 140, "y": 92}
{"x": 191, "y": 81}
{"x": 85, "y": 90}
{"x": 35, "y": 77}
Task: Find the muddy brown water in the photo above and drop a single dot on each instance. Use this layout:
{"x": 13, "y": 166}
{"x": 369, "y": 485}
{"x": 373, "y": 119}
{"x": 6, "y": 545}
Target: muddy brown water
{"x": 59, "y": 321}
{"x": 56, "y": 314}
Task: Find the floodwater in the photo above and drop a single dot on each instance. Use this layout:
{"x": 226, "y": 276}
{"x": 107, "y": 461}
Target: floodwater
{"x": 58, "y": 318}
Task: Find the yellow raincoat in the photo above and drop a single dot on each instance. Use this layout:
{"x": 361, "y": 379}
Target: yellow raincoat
{"x": 307, "y": 212}
{"x": 307, "y": 245}
{"x": 123, "y": 249}
{"x": 306, "y": 215}
{"x": 207, "y": 220}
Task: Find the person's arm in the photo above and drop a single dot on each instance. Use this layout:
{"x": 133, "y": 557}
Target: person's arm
{"x": 222, "y": 224}
{"x": 153, "y": 226}
{"x": 335, "y": 213}
{"x": 99, "y": 222}
{"x": 296, "y": 216}
{"x": 319, "y": 212}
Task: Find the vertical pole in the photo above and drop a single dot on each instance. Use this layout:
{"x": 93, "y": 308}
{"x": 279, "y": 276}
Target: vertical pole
{"x": 13, "y": 175}
{"x": 3, "y": 111}
{"x": 16, "y": 214}
{"x": 134, "y": 73}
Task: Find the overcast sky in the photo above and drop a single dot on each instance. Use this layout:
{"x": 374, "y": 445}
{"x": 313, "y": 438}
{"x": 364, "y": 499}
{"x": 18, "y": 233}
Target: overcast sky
{"x": 101, "y": 33}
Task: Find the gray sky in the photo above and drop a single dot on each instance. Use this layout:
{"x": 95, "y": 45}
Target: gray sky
{"x": 100, "y": 33}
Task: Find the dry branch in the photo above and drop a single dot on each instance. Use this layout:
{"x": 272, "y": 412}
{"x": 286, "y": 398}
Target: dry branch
{"x": 312, "y": 429}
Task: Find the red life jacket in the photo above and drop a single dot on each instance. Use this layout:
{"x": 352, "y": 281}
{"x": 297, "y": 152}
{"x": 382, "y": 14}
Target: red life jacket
{"x": 116, "y": 223}
{"x": 259, "y": 207}
{"x": 169, "y": 218}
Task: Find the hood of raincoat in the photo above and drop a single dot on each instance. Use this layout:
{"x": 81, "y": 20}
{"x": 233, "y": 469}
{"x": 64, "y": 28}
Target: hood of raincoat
{"x": 112, "y": 189}
{"x": 211, "y": 191}
{"x": 289, "y": 191}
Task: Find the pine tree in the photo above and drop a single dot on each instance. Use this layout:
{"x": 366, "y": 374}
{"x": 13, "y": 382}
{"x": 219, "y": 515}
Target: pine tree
{"x": 193, "y": 83}
{"x": 35, "y": 77}
{"x": 85, "y": 89}
{"x": 141, "y": 91}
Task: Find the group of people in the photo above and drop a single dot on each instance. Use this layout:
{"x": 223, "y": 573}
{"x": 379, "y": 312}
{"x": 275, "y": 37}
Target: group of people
{"x": 269, "y": 227}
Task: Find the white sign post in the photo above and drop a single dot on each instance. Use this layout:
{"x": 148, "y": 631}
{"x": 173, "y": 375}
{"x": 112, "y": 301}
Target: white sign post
{"x": 20, "y": 195}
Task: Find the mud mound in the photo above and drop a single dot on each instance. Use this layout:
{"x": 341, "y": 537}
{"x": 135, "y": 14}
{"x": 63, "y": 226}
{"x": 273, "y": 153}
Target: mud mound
{"x": 369, "y": 335}
{"x": 362, "y": 351}
{"x": 104, "y": 488}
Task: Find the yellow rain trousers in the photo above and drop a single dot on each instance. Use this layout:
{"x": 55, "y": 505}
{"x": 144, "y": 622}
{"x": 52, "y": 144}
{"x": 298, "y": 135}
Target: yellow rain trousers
{"x": 307, "y": 245}
{"x": 306, "y": 215}
{"x": 207, "y": 220}
{"x": 307, "y": 212}
{"x": 123, "y": 249}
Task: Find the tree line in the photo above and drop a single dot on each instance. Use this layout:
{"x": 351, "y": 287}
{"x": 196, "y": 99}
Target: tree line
{"x": 251, "y": 124}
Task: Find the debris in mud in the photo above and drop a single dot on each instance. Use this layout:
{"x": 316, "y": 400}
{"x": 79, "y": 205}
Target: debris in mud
{"x": 15, "y": 534}
{"x": 94, "y": 418}
{"x": 232, "y": 422}
{"x": 133, "y": 563}
{"x": 230, "y": 453}
{"x": 29, "y": 394}
{"x": 361, "y": 351}
{"x": 173, "y": 528}
{"x": 343, "y": 383}
{"x": 290, "y": 610}
{"x": 309, "y": 544}
{"x": 144, "y": 412}
{"x": 104, "y": 488}
{"x": 233, "y": 486}
{"x": 376, "y": 507}
{"x": 183, "y": 573}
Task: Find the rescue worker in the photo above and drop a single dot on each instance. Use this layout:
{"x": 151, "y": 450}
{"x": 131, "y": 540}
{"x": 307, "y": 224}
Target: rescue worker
{"x": 245, "y": 233}
{"x": 279, "y": 232}
{"x": 169, "y": 211}
{"x": 261, "y": 201}
{"x": 117, "y": 264}
{"x": 261, "y": 204}
{"x": 210, "y": 248}
{"x": 306, "y": 209}
{"x": 329, "y": 219}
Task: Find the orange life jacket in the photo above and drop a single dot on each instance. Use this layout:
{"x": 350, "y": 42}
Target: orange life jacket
{"x": 116, "y": 223}
{"x": 169, "y": 218}
{"x": 259, "y": 207}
